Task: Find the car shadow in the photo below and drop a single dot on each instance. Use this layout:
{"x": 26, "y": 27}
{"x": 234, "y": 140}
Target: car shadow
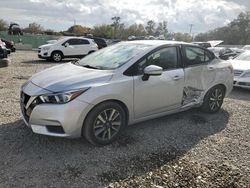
{"x": 240, "y": 94}
{"x": 140, "y": 148}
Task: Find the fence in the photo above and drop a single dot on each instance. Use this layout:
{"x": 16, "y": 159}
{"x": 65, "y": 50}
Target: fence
{"x": 34, "y": 40}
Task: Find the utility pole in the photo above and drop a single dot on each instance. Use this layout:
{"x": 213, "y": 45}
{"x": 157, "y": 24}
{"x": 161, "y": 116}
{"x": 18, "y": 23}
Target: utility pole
{"x": 191, "y": 26}
{"x": 74, "y": 22}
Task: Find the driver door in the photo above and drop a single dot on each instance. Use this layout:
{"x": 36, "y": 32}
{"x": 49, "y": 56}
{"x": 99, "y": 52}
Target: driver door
{"x": 159, "y": 93}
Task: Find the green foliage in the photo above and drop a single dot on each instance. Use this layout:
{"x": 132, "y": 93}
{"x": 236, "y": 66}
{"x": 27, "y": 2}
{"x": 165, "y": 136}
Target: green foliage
{"x": 236, "y": 32}
{"x": 185, "y": 37}
{"x": 3, "y": 25}
{"x": 150, "y": 28}
{"x": 78, "y": 30}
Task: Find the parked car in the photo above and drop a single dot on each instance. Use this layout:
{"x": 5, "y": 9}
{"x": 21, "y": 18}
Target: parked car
{"x": 9, "y": 44}
{"x": 223, "y": 53}
{"x": 3, "y": 50}
{"x": 67, "y": 47}
{"x": 241, "y": 65}
{"x": 128, "y": 82}
{"x": 101, "y": 43}
{"x": 203, "y": 44}
{"x": 246, "y": 47}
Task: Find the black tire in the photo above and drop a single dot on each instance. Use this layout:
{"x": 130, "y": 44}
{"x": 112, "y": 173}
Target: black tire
{"x": 99, "y": 130}
{"x": 213, "y": 99}
{"x": 4, "y": 63}
{"x": 57, "y": 56}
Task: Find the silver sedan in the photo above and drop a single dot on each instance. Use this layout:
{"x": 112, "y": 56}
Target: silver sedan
{"x": 123, "y": 84}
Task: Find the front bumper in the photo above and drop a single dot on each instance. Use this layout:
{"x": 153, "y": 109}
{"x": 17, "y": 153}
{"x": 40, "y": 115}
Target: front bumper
{"x": 43, "y": 54}
{"x": 242, "y": 82}
{"x": 61, "y": 120}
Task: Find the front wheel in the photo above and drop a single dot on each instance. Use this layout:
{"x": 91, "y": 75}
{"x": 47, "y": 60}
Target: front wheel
{"x": 213, "y": 99}
{"x": 104, "y": 123}
{"x": 57, "y": 56}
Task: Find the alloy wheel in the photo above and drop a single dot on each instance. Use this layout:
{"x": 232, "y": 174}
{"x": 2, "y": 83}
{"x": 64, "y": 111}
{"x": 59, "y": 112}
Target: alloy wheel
{"x": 57, "y": 57}
{"x": 216, "y": 99}
{"x": 107, "y": 124}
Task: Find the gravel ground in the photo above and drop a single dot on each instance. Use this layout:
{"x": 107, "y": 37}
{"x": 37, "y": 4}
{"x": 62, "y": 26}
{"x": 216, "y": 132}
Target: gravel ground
{"x": 188, "y": 149}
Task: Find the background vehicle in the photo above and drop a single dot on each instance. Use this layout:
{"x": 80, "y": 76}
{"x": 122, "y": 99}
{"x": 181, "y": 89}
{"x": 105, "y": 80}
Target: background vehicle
{"x": 203, "y": 44}
{"x": 122, "y": 84}
{"x": 224, "y": 53}
{"x": 9, "y": 44}
{"x": 241, "y": 65}
{"x": 246, "y": 47}
{"x": 3, "y": 50}
{"x": 67, "y": 47}
{"x": 14, "y": 29}
{"x": 100, "y": 42}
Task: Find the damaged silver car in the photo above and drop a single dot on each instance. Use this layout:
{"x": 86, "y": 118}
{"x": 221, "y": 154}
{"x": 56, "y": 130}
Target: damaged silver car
{"x": 129, "y": 82}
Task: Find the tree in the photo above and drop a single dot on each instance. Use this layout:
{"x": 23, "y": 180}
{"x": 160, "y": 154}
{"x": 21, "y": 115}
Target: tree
{"x": 150, "y": 28}
{"x": 105, "y": 31}
{"x": 33, "y": 28}
{"x": 79, "y": 30}
{"x": 243, "y": 24}
{"x": 185, "y": 37}
{"x": 3, "y": 25}
{"x": 162, "y": 29}
{"x": 236, "y": 32}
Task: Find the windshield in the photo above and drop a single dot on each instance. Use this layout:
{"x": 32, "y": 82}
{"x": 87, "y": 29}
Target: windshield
{"x": 244, "y": 56}
{"x": 114, "y": 56}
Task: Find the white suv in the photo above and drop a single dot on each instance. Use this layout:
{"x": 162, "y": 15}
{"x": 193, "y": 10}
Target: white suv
{"x": 67, "y": 47}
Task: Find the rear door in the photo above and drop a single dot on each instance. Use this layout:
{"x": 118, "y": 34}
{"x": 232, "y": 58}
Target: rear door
{"x": 200, "y": 73}
{"x": 159, "y": 93}
{"x": 83, "y": 46}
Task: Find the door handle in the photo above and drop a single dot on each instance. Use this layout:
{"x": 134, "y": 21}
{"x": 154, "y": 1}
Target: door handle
{"x": 176, "y": 78}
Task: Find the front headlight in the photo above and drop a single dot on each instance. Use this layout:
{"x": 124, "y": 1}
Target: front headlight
{"x": 62, "y": 97}
{"x": 46, "y": 48}
{"x": 246, "y": 74}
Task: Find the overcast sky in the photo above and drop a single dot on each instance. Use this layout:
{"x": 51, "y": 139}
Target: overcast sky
{"x": 60, "y": 14}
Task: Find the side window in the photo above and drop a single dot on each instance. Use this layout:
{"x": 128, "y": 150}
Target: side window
{"x": 82, "y": 42}
{"x": 197, "y": 56}
{"x": 165, "y": 58}
{"x": 71, "y": 41}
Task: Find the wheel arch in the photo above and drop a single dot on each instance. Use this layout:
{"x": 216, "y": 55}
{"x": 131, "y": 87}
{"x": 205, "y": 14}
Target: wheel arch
{"x": 56, "y": 51}
{"x": 122, "y": 104}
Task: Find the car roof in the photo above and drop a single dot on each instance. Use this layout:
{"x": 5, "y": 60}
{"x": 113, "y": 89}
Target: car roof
{"x": 158, "y": 42}
{"x": 66, "y": 38}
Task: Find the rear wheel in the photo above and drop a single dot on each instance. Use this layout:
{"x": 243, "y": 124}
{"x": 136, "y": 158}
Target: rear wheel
{"x": 213, "y": 99}
{"x": 57, "y": 56}
{"x": 104, "y": 123}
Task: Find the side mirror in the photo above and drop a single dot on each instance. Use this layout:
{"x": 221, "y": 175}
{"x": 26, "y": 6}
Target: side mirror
{"x": 151, "y": 70}
{"x": 66, "y": 44}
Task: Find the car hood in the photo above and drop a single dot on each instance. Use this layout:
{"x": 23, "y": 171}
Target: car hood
{"x": 240, "y": 65}
{"x": 69, "y": 77}
{"x": 45, "y": 45}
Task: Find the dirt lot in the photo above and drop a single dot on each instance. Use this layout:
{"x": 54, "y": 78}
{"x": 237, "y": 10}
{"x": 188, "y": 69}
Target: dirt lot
{"x": 187, "y": 149}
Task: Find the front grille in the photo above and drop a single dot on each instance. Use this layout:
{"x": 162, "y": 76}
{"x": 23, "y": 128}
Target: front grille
{"x": 237, "y": 72}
